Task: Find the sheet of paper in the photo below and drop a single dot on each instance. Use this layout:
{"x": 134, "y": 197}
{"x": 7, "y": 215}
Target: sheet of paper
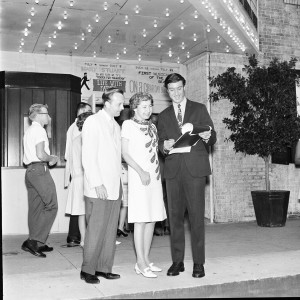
{"x": 180, "y": 150}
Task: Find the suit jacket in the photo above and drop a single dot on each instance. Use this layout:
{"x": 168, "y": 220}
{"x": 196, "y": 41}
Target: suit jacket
{"x": 101, "y": 155}
{"x": 197, "y": 160}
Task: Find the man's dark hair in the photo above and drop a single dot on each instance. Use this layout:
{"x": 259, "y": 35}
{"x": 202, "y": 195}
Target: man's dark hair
{"x": 81, "y": 105}
{"x": 174, "y": 77}
{"x": 106, "y": 96}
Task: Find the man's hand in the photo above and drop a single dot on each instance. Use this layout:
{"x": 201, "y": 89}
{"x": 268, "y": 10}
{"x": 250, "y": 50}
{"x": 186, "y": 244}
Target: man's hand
{"x": 101, "y": 192}
{"x": 53, "y": 160}
{"x": 205, "y": 135}
{"x": 187, "y": 127}
{"x": 168, "y": 144}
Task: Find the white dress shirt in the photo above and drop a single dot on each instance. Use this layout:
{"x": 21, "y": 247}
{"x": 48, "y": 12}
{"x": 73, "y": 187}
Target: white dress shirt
{"x": 34, "y": 135}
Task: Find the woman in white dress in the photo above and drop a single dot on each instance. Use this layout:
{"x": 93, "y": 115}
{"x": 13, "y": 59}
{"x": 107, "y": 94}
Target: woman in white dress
{"x": 75, "y": 201}
{"x": 145, "y": 196}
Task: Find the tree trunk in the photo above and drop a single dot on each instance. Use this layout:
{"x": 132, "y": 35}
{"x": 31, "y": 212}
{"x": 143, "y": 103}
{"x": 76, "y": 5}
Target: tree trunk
{"x": 267, "y": 160}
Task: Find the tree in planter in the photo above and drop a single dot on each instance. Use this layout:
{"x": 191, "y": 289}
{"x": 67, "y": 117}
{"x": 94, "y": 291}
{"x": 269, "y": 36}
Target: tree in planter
{"x": 264, "y": 118}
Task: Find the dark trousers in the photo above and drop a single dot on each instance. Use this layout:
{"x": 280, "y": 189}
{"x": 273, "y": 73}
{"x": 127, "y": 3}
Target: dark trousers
{"x": 100, "y": 239}
{"x": 42, "y": 201}
{"x": 74, "y": 233}
{"x": 186, "y": 192}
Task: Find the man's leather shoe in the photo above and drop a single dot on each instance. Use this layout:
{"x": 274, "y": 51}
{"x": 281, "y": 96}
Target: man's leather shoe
{"x": 45, "y": 248}
{"x": 198, "y": 271}
{"x": 89, "y": 278}
{"x": 175, "y": 269}
{"x": 107, "y": 275}
{"x": 72, "y": 242}
{"x": 32, "y": 247}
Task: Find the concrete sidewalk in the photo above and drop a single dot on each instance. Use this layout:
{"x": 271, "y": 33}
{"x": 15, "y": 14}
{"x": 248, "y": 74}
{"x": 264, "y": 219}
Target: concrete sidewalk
{"x": 242, "y": 260}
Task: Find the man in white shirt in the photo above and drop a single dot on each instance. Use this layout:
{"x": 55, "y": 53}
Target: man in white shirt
{"x": 101, "y": 160}
{"x": 42, "y": 199}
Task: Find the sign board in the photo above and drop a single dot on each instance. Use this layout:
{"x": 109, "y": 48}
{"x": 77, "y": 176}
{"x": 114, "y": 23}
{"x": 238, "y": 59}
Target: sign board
{"x": 98, "y": 76}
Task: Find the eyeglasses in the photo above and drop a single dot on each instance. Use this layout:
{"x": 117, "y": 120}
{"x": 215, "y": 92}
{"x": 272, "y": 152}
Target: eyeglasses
{"x": 43, "y": 113}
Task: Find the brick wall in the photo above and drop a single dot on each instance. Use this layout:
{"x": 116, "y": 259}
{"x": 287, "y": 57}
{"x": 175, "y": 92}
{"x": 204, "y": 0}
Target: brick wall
{"x": 279, "y": 29}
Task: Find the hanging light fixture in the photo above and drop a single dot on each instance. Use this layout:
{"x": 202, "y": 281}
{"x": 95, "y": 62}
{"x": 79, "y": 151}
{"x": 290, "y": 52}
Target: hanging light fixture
{"x": 71, "y": 3}
{"x": 139, "y": 57}
{"x": 182, "y": 46}
{"x": 170, "y": 52}
{"x": 196, "y": 14}
{"x": 208, "y": 28}
{"x": 109, "y": 39}
{"x": 37, "y": 1}
{"x": 188, "y": 54}
{"x": 65, "y": 15}
{"x": 26, "y": 31}
{"x": 178, "y": 60}
{"x": 170, "y": 35}
{"x": 22, "y": 42}
{"x": 124, "y": 50}
{"x": 159, "y": 44}
{"x": 155, "y": 23}
{"x": 75, "y": 46}
{"x": 167, "y": 12}
{"x": 195, "y": 37}
{"x": 89, "y": 28}
{"x": 97, "y": 18}
{"x": 218, "y": 39}
{"x": 54, "y": 34}
{"x": 82, "y": 36}
{"x": 29, "y": 23}
{"x": 181, "y": 25}
{"x": 94, "y": 54}
{"x": 137, "y": 9}
{"x": 105, "y": 6}
{"x": 144, "y": 33}
{"x": 59, "y": 25}
{"x": 118, "y": 56}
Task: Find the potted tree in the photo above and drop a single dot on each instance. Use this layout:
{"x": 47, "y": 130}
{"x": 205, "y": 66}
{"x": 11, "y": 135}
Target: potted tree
{"x": 263, "y": 121}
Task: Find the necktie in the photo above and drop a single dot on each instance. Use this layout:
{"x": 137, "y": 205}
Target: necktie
{"x": 179, "y": 116}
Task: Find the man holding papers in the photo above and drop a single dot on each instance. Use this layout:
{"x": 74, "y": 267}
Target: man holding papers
{"x": 186, "y": 168}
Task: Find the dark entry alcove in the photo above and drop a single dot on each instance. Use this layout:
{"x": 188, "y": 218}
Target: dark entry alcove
{"x": 61, "y": 92}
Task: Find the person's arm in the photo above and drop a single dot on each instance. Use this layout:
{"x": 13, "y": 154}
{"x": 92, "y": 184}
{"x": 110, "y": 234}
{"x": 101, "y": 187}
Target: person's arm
{"x": 90, "y": 147}
{"x": 144, "y": 175}
{"x": 208, "y": 137}
{"x": 43, "y": 156}
{"x": 164, "y": 144}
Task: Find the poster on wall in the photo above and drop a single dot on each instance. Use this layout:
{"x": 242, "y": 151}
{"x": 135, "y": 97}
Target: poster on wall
{"x": 96, "y": 77}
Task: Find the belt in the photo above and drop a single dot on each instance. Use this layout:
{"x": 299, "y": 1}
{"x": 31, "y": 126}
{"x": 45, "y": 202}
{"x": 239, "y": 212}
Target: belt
{"x": 36, "y": 162}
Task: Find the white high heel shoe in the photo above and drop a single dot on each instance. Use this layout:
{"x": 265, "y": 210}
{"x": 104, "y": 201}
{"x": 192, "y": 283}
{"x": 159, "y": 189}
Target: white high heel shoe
{"x": 154, "y": 268}
{"x": 146, "y": 273}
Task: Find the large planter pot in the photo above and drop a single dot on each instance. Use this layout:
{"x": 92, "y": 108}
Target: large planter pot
{"x": 270, "y": 207}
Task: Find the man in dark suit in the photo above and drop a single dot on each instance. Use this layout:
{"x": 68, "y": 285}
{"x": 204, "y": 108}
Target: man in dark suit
{"x": 185, "y": 172}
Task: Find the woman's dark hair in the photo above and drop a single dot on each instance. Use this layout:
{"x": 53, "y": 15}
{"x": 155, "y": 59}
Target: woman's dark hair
{"x": 81, "y": 118}
{"x": 80, "y": 106}
{"x": 174, "y": 77}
